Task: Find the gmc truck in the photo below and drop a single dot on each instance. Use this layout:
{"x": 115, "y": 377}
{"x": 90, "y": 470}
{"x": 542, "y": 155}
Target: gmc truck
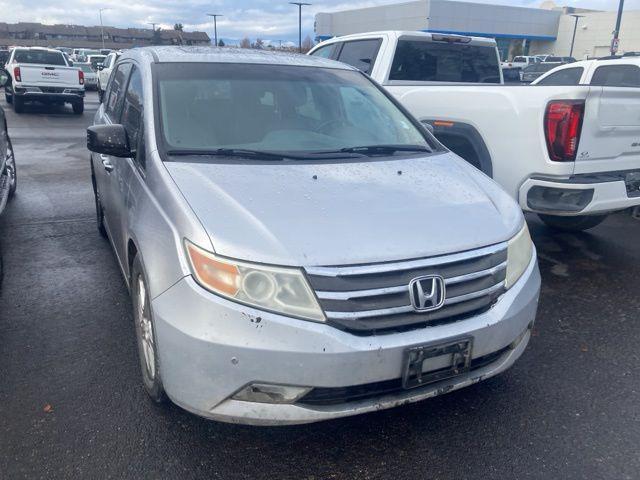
{"x": 568, "y": 151}
{"x": 43, "y": 75}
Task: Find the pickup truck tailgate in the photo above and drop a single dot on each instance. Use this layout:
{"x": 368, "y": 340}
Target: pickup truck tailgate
{"x": 610, "y": 139}
{"x": 36, "y": 75}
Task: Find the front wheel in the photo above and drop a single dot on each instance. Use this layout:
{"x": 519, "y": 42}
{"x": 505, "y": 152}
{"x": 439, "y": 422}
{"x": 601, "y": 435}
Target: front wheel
{"x": 12, "y": 173}
{"x": 8, "y": 97}
{"x": 572, "y": 224}
{"x": 145, "y": 334}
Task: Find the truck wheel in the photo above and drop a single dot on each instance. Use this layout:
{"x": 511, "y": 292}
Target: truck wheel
{"x": 18, "y": 104}
{"x": 145, "y": 333}
{"x": 572, "y": 224}
{"x": 78, "y": 107}
{"x": 8, "y": 97}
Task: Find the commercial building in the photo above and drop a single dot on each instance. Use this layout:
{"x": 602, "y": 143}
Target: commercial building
{"x": 517, "y": 30}
{"x": 77, "y": 36}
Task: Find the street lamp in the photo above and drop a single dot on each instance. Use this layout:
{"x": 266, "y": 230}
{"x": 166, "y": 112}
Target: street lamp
{"x": 616, "y": 32}
{"x": 575, "y": 27}
{"x": 300, "y": 5}
{"x": 215, "y": 25}
{"x": 101, "y": 25}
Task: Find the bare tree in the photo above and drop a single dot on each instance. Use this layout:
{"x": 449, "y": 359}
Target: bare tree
{"x": 258, "y": 44}
{"x": 245, "y": 43}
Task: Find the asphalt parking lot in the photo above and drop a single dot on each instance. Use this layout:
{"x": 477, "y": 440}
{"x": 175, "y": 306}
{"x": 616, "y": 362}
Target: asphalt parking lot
{"x": 72, "y": 404}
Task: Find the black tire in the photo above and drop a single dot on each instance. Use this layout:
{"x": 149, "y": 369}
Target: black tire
{"x": 100, "y": 94}
{"x": 12, "y": 172}
{"x": 78, "y": 107}
{"x": 8, "y": 97}
{"x": 98, "y": 202}
{"x": 572, "y": 224}
{"x": 18, "y": 104}
{"x": 145, "y": 334}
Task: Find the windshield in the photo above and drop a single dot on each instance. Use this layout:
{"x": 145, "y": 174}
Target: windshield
{"x": 40, "y": 57}
{"x": 207, "y": 107}
{"x": 425, "y": 61}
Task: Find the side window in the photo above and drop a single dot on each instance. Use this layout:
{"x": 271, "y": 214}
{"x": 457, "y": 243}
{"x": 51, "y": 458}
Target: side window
{"x": 325, "y": 52}
{"x": 617, "y": 76}
{"x": 360, "y": 54}
{"x": 567, "y": 76}
{"x": 132, "y": 110}
{"x": 115, "y": 96}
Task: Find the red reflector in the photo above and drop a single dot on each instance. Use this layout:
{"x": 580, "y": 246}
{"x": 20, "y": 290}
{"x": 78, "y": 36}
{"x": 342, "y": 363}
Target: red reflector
{"x": 16, "y": 74}
{"x": 562, "y": 127}
{"x": 81, "y": 77}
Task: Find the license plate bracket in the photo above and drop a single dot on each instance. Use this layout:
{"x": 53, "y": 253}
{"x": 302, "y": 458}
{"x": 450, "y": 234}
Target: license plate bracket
{"x": 413, "y": 374}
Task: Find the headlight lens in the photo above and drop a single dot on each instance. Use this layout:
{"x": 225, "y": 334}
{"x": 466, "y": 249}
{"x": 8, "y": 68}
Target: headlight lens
{"x": 282, "y": 290}
{"x": 519, "y": 254}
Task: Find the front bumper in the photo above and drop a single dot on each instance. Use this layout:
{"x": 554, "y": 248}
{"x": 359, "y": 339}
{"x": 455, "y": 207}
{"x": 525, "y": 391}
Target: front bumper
{"x": 210, "y": 348}
{"x": 589, "y": 194}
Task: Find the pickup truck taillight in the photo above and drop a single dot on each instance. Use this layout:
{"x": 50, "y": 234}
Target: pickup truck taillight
{"x": 562, "y": 127}
{"x": 16, "y": 74}
{"x": 81, "y": 77}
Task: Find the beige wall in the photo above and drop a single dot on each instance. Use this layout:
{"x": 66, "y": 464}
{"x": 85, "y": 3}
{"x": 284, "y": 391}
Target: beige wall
{"x": 593, "y": 36}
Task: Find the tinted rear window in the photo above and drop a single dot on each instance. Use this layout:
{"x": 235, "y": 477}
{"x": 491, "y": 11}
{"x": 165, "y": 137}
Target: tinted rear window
{"x": 617, "y": 76}
{"x": 568, "y": 76}
{"x": 39, "y": 57}
{"x": 423, "y": 61}
{"x": 360, "y": 54}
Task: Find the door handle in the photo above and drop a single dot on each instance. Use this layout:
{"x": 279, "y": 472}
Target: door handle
{"x": 106, "y": 163}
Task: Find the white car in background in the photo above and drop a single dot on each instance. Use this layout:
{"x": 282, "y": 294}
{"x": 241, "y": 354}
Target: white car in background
{"x": 90, "y": 76}
{"x": 104, "y": 71}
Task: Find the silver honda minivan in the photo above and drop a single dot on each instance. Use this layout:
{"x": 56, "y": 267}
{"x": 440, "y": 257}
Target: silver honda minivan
{"x": 297, "y": 246}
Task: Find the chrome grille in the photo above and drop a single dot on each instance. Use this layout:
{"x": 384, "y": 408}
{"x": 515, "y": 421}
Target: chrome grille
{"x": 371, "y": 298}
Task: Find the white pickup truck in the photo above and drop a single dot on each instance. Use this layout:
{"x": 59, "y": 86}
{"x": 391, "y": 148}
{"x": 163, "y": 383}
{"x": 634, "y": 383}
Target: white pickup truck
{"x": 568, "y": 152}
{"x": 43, "y": 75}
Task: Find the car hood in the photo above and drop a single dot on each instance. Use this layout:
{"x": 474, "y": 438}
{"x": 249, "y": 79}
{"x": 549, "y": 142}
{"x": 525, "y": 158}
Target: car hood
{"x": 303, "y": 214}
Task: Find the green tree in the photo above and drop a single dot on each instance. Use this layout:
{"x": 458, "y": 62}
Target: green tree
{"x": 221, "y": 43}
{"x": 157, "y": 37}
{"x": 178, "y": 27}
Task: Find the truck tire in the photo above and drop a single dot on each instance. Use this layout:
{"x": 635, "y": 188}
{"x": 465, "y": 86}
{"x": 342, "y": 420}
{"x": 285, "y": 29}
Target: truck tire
{"x": 572, "y": 224}
{"x": 18, "y": 104}
{"x": 8, "y": 97}
{"x": 78, "y": 107}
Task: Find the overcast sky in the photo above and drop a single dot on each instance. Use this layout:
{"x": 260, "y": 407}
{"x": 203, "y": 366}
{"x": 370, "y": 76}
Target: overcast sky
{"x": 267, "y": 19}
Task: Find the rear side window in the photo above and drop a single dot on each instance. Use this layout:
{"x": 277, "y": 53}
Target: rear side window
{"x": 568, "y": 76}
{"x": 422, "y": 61}
{"x": 520, "y": 60}
{"x": 39, "y": 57}
{"x": 360, "y": 54}
{"x": 115, "y": 96}
{"x": 617, "y": 76}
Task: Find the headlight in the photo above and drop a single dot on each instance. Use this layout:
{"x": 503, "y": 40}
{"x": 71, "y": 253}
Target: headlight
{"x": 519, "y": 254}
{"x": 281, "y": 290}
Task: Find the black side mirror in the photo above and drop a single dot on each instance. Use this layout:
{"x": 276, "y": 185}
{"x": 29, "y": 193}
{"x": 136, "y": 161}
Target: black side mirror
{"x": 4, "y": 77}
{"x": 109, "y": 140}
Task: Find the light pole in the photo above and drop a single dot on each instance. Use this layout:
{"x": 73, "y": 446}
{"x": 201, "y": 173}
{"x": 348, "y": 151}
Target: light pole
{"x": 300, "y": 5}
{"x": 616, "y": 32}
{"x": 575, "y": 27}
{"x": 101, "y": 25}
{"x": 215, "y": 25}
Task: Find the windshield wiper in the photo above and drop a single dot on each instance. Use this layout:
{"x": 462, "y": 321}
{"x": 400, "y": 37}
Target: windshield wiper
{"x": 231, "y": 152}
{"x": 386, "y": 149}
{"x": 263, "y": 154}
